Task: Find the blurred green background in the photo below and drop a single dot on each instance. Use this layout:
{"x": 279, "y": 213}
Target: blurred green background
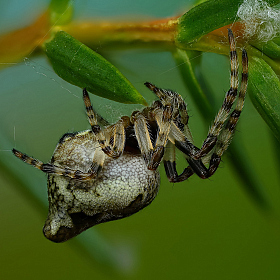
{"x": 197, "y": 229}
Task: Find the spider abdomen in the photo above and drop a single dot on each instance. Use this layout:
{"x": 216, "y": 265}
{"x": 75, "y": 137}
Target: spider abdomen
{"x": 123, "y": 187}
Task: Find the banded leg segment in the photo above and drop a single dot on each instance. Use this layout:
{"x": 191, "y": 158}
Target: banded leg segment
{"x": 185, "y": 146}
{"x": 169, "y": 160}
{"x": 153, "y": 154}
{"x": 115, "y": 139}
{"x": 180, "y": 115}
{"x": 163, "y": 119}
{"x": 142, "y": 135}
{"x": 163, "y": 114}
{"x": 170, "y": 97}
{"x": 118, "y": 137}
{"x": 66, "y": 172}
{"x": 178, "y": 137}
{"x": 227, "y": 134}
{"x": 114, "y": 150}
{"x": 224, "y": 112}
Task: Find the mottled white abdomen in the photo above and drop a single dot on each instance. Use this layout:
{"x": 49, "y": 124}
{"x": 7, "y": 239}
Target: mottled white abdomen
{"x": 123, "y": 187}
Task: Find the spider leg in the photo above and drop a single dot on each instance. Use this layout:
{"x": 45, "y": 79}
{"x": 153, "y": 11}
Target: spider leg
{"x": 100, "y": 119}
{"x": 177, "y": 137}
{"x": 169, "y": 97}
{"x": 152, "y": 155}
{"x": 169, "y": 161}
{"x": 179, "y": 123}
{"x": 181, "y": 142}
{"x": 142, "y": 135}
{"x": 56, "y": 170}
{"x": 172, "y": 113}
{"x": 163, "y": 114}
{"x": 179, "y": 118}
{"x": 182, "y": 128}
{"x": 116, "y": 134}
{"x": 223, "y": 113}
{"x": 169, "y": 158}
{"x": 110, "y": 150}
{"x": 163, "y": 118}
{"x": 227, "y": 133}
{"x": 167, "y": 130}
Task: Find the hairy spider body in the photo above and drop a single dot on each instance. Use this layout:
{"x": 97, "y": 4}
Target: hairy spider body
{"x": 106, "y": 174}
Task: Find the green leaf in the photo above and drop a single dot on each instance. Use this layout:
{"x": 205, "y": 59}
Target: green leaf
{"x": 61, "y": 11}
{"x": 270, "y": 48}
{"x": 79, "y": 65}
{"x": 264, "y": 90}
{"x": 206, "y": 17}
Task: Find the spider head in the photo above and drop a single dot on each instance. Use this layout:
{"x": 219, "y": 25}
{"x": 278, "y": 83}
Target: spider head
{"x": 171, "y": 98}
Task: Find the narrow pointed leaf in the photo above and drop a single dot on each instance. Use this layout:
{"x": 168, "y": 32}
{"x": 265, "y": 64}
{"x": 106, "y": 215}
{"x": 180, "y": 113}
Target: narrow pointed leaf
{"x": 81, "y": 66}
{"x": 270, "y": 48}
{"x": 264, "y": 90}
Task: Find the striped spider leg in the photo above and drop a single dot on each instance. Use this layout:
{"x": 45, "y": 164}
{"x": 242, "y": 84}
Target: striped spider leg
{"x": 169, "y": 119}
{"x": 177, "y": 132}
{"x": 167, "y": 111}
{"x": 219, "y": 137}
{"x": 114, "y": 149}
{"x": 114, "y": 133}
{"x": 230, "y": 97}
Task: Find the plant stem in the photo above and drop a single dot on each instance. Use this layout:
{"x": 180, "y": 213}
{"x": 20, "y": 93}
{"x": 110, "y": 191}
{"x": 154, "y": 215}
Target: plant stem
{"x": 110, "y": 34}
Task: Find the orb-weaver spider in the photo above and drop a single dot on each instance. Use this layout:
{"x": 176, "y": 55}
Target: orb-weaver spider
{"x": 100, "y": 175}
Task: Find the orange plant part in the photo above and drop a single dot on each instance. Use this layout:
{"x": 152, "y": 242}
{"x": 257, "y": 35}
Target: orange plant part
{"x": 147, "y": 32}
{"x": 20, "y": 43}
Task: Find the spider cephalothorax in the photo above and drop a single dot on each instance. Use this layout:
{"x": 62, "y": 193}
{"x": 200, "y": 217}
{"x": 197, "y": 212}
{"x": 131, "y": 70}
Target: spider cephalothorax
{"x": 100, "y": 175}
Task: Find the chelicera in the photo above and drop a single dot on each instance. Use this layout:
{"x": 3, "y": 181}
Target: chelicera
{"x": 100, "y": 175}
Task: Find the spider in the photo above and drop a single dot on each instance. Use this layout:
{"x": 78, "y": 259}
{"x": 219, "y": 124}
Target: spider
{"x": 99, "y": 175}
